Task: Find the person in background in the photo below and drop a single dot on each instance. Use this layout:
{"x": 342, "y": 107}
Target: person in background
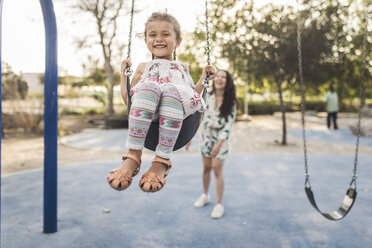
{"x": 331, "y": 100}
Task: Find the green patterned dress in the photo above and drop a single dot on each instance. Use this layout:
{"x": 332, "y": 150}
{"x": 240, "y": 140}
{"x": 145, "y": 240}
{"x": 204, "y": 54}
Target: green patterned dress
{"x": 214, "y": 128}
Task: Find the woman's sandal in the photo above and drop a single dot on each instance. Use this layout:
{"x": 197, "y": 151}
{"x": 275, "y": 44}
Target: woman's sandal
{"x": 124, "y": 179}
{"x": 151, "y": 182}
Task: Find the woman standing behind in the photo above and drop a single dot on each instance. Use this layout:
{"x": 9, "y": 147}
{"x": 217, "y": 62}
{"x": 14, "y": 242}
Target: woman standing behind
{"x": 218, "y": 120}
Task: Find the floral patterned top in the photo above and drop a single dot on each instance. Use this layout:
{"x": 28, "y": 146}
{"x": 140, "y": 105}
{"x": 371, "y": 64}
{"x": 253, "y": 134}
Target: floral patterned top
{"x": 212, "y": 120}
{"x": 176, "y": 73}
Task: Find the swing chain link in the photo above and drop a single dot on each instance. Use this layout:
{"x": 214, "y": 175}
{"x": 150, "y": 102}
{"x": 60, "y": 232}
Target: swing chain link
{"x": 206, "y": 80}
{"x": 362, "y": 95}
{"x": 128, "y": 70}
{"x": 307, "y": 181}
{"x": 300, "y": 73}
{"x": 353, "y": 181}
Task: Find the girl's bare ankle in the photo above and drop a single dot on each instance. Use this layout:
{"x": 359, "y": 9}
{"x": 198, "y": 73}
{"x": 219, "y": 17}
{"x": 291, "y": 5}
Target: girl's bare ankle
{"x": 159, "y": 167}
{"x": 137, "y": 153}
{"x": 129, "y": 164}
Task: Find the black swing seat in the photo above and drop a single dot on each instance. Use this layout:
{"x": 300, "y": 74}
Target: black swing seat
{"x": 345, "y": 207}
{"x": 189, "y": 127}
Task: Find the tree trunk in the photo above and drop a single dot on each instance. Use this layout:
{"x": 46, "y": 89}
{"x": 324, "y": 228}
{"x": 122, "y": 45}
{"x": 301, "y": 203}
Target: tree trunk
{"x": 110, "y": 77}
{"x": 282, "y": 109}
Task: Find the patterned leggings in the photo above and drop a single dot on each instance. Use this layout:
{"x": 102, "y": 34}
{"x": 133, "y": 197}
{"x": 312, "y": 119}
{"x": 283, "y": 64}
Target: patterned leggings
{"x": 149, "y": 98}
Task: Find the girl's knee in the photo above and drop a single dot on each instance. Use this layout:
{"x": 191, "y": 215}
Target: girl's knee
{"x": 171, "y": 91}
{"x": 149, "y": 86}
{"x": 169, "y": 88}
{"x": 147, "y": 96}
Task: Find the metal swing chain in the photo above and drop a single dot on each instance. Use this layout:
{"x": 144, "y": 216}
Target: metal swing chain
{"x": 128, "y": 70}
{"x": 362, "y": 95}
{"x": 299, "y": 49}
{"x": 206, "y": 80}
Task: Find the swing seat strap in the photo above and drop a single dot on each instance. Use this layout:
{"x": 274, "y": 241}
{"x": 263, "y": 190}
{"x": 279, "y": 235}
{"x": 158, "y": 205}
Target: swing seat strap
{"x": 342, "y": 211}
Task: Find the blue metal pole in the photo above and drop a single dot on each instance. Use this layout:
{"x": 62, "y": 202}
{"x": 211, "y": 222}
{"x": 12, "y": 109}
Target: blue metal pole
{"x": 50, "y": 118}
{"x": 1, "y": 111}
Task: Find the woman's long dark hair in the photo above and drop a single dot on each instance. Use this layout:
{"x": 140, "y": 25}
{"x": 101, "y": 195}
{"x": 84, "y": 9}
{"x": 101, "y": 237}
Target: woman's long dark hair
{"x": 229, "y": 96}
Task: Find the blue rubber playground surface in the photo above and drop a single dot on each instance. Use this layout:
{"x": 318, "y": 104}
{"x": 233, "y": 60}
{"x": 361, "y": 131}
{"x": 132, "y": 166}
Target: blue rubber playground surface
{"x": 94, "y": 139}
{"x": 265, "y": 205}
{"x": 340, "y": 136}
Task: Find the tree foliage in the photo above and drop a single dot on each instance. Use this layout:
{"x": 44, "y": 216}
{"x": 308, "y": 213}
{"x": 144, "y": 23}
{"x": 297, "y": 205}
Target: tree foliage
{"x": 260, "y": 46}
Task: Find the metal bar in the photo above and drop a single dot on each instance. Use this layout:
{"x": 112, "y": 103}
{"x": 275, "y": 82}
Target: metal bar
{"x": 1, "y": 111}
{"x": 50, "y": 118}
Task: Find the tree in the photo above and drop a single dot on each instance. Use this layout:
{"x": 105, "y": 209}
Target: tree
{"x": 260, "y": 46}
{"x": 13, "y": 87}
{"x": 338, "y": 41}
{"x": 325, "y": 26}
{"x": 258, "y": 49}
{"x": 106, "y": 14}
{"x": 276, "y": 51}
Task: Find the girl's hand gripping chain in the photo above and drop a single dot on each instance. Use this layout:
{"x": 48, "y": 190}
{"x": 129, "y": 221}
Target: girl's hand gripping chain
{"x": 207, "y": 69}
{"x": 124, "y": 65}
{"x": 127, "y": 63}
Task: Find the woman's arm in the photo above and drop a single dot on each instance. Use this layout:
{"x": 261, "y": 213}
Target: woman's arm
{"x": 123, "y": 78}
{"x": 229, "y": 122}
{"x": 225, "y": 133}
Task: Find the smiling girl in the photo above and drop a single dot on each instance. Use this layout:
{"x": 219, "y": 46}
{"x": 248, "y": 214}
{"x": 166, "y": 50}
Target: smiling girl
{"x": 161, "y": 89}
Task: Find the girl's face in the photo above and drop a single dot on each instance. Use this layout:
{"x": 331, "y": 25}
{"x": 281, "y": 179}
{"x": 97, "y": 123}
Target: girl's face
{"x": 220, "y": 80}
{"x": 161, "y": 39}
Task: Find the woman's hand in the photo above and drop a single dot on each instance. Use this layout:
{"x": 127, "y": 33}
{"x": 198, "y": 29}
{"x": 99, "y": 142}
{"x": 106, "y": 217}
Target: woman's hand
{"x": 211, "y": 70}
{"x": 124, "y": 64}
{"x": 216, "y": 149}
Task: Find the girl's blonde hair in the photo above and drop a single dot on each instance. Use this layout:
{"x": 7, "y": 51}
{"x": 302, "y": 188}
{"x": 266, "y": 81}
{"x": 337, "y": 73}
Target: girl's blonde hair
{"x": 157, "y": 16}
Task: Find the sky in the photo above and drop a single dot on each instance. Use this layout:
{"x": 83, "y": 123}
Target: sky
{"x": 23, "y": 38}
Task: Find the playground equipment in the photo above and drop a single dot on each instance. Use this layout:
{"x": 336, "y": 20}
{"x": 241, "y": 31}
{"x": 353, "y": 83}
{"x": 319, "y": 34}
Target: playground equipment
{"x": 191, "y": 124}
{"x": 351, "y": 192}
{"x": 50, "y": 116}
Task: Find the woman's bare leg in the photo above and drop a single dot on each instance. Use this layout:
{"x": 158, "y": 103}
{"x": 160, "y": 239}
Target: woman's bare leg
{"x": 207, "y": 167}
{"x": 217, "y": 165}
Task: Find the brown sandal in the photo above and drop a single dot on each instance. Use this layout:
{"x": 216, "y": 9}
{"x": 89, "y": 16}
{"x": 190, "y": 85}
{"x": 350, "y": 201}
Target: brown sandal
{"x": 124, "y": 179}
{"x": 151, "y": 182}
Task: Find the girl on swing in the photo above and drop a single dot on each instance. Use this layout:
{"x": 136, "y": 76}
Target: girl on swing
{"x": 161, "y": 89}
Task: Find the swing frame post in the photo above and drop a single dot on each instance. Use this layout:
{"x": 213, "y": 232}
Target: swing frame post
{"x": 50, "y": 118}
{"x": 1, "y": 111}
